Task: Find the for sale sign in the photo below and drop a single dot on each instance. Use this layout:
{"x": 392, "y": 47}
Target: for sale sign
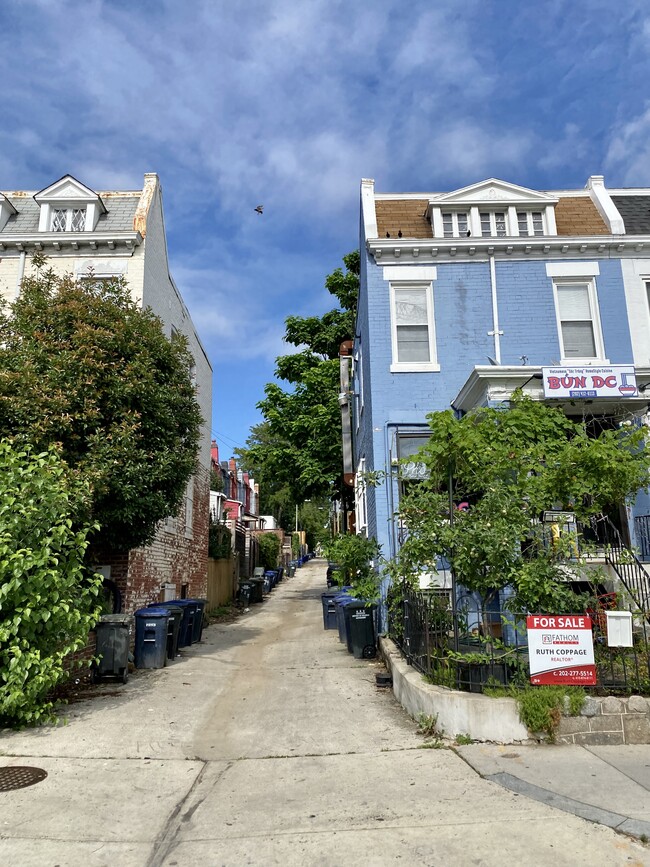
{"x": 561, "y": 649}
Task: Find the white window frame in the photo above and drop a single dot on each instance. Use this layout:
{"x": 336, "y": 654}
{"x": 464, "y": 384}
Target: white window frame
{"x": 455, "y": 231}
{"x": 493, "y": 222}
{"x": 413, "y": 366}
{"x": 69, "y": 209}
{"x": 590, "y": 282}
{"x": 530, "y": 233}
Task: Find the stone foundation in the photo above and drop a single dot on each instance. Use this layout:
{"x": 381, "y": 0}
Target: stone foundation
{"x": 608, "y": 721}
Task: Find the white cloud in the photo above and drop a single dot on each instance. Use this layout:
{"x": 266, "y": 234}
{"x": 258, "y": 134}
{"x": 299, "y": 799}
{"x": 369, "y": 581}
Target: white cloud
{"x": 628, "y": 155}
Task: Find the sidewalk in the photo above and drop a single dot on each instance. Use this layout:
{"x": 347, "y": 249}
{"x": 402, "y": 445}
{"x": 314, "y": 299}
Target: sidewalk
{"x": 607, "y": 785}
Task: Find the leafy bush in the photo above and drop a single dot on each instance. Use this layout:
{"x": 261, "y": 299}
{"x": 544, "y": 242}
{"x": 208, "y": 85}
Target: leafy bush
{"x": 269, "y": 550}
{"x": 354, "y": 556}
{"x": 48, "y": 600}
{"x": 219, "y": 541}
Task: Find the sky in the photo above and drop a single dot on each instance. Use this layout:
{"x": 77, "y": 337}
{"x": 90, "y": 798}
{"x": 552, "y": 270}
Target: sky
{"x": 288, "y": 104}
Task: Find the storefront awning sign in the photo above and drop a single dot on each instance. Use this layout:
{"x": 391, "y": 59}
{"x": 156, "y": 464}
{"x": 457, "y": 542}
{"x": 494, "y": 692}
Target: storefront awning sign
{"x": 561, "y": 650}
{"x": 616, "y": 381}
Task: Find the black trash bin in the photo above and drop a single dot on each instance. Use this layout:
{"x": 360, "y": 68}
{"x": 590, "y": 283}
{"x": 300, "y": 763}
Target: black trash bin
{"x": 186, "y": 634}
{"x": 197, "y": 628}
{"x": 112, "y": 646}
{"x": 151, "y": 627}
{"x": 360, "y": 629}
{"x": 173, "y": 627}
{"x": 245, "y": 592}
{"x": 258, "y": 589}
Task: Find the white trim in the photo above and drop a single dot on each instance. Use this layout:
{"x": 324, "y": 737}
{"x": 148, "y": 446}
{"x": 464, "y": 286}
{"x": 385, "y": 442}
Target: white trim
{"x": 605, "y": 205}
{"x": 368, "y": 208}
{"x": 413, "y": 366}
{"x": 410, "y": 272}
{"x": 599, "y": 358}
{"x": 101, "y": 267}
{"x": 572, "y": 269}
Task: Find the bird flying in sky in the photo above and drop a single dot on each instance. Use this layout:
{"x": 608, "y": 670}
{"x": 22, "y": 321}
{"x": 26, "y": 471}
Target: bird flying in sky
{"x": 259, "y": 209}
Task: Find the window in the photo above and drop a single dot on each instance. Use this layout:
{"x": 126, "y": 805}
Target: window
{"x": 530, "y": 223}
{"x": 455, "y": 225}
{"x": 578, "y": 325}
{"x": 68, "y": 219}
{"x": 493, "y": 224}
{"x": 413, "y": 336}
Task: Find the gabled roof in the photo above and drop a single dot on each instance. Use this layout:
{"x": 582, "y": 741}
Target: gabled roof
{"x": 70, "y": 189}
{"x": 493, "y": 190}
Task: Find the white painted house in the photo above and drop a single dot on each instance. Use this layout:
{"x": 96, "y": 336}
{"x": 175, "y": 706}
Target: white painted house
{"x": 121, "y": 233}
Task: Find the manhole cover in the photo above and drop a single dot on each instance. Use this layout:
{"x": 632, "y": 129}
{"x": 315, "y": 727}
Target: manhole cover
{"x": 19, "y": 777}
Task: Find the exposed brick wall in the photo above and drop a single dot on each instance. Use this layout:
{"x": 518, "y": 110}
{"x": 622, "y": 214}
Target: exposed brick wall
{"x": 405, "y": 215}
{"x": 577, "y": 215}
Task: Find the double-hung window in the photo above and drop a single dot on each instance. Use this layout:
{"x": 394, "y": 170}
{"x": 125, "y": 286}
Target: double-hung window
{"x": 530, "y": 223}
{"x": 455, "y": 225}
{"x": 493, "y": 224}
{"x": 413, "y": 331}
{"x": 578, "y": 321}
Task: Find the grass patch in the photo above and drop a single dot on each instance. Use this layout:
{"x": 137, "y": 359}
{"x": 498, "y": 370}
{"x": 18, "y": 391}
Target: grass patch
{"x": 541, "y": 707}
{"x": 462, "y": 740}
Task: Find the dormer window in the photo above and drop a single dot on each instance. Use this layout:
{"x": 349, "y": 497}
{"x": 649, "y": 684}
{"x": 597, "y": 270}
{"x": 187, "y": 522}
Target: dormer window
{"x": 455, "y": 225}
{"x": 530, "y": 223}
{"x": 493, "y": 224}
{"x": 68, "y": 206}
{"x": 68, "y": 219}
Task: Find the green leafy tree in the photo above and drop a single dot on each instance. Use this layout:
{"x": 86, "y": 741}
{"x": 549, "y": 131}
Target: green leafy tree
{"x": 48, "y": 599}
{"x": 509, "y": 466}
{"x": 81, "y": 364}
{"x": 295, "y": 453}
{"x": 269, "y": 550}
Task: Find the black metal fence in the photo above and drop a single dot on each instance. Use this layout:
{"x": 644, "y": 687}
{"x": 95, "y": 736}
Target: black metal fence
{"x": 642, "y": 532}
{"x": 481, "y": 645}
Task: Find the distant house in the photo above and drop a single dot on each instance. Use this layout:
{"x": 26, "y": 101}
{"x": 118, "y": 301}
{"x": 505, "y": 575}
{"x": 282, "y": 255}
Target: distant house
{"x": 121, "y": 233}
{"x": 469, "y": 294}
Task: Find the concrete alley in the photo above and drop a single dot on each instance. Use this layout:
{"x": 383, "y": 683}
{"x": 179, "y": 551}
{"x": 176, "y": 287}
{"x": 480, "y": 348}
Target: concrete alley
{"x": 269, "y": 744}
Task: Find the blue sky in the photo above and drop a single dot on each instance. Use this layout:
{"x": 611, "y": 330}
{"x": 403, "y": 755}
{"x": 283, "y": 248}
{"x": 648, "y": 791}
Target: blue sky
{"x": 290, "y": 104}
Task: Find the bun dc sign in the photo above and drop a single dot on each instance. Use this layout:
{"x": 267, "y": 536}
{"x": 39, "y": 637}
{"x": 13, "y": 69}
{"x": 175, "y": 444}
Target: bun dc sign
{"x": 618, "y": 381}
{"x": 561, "y": 650}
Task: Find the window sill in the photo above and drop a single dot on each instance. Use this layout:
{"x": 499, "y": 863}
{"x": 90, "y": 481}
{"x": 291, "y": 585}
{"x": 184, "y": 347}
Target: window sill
{"x": 421, "y": 367}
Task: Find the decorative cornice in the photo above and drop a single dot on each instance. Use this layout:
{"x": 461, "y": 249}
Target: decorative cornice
{"x": 75, "y": 241}
{"x": 389, "y": 250}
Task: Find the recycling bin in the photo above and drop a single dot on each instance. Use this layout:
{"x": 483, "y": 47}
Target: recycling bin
{"x": 186, "y": 631}
{"x": 151, "y": 627}
{"x": 360, "y": 629}
{"x": 112, "y": 647}
{"x": 329, "y": 608}
{"x": 174, "y": 625}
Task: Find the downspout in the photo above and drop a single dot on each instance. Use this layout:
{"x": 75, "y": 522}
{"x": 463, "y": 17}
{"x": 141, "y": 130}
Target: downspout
{"x": 345, "y": 362}
{"x": 21, "y": 272}
{"x": 495, "y": 311}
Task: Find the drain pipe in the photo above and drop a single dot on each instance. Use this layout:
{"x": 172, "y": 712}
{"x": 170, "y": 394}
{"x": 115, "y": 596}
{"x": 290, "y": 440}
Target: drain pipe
{"x": 21, "y": 272}
{"x": 496, "y": 333}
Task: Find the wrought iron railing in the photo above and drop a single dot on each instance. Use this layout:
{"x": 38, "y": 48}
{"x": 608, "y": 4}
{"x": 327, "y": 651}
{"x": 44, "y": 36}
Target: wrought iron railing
{"x": 624, "y": 562}
{"x": 492, "y": 648}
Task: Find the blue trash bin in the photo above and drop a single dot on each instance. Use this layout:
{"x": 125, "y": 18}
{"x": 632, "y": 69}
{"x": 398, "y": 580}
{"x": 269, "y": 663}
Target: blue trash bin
{"x": 329, "y": 608}
{"x": 341, "y": 601}
{"x": 151, "y": 627}
{"x": 174, "y": 627}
